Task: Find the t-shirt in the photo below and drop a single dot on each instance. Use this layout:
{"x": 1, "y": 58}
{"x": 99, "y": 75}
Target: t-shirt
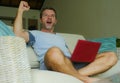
{"x": 42, "y": 41}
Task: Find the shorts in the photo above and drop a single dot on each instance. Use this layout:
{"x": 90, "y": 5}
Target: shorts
{"x": 79, "y": 65}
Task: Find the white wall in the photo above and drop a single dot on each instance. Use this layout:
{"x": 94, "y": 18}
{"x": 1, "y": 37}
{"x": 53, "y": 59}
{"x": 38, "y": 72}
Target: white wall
{"x": 11, "y": 12}
{"x": 92, "y": 18}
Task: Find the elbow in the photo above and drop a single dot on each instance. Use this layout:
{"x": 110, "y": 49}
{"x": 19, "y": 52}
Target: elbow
{"x": 18, "y": 32}
{"x": 22, "y": 34}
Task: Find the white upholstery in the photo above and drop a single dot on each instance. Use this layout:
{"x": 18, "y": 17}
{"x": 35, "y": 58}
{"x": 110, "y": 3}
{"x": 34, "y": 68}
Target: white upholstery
{"x": 43, "y": 76}
{"x": 71, "y": 39}
{"x": 14, "y": 65}
{"x": 32, "y": 58}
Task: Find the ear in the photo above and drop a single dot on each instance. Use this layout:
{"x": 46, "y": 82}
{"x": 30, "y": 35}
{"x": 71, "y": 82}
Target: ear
{"x": 56, "y": 21}
{"x": 40, "y": 20}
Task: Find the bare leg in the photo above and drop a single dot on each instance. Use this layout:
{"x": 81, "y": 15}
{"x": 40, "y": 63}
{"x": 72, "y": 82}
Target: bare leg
{"x": 56, "y": 61}
{"x": 103, "y": 62}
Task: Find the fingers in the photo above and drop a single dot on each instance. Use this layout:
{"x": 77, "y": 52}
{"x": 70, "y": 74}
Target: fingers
{"x": 24, "y": 6}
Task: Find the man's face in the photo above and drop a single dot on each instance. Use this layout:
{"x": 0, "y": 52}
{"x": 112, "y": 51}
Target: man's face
{"x": 48, "y": 19}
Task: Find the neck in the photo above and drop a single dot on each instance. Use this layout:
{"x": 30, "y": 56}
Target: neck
{"x": 47, "y": 30}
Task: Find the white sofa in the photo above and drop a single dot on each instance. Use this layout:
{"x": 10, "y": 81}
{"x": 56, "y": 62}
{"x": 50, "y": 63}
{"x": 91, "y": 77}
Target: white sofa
{"x": 71, "y": 40}
{"x": 42, "y": 76}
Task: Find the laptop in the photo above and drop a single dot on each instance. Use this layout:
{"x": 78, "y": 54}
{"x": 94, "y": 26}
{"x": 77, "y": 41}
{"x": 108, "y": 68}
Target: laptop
{"x": 85, "y": 51}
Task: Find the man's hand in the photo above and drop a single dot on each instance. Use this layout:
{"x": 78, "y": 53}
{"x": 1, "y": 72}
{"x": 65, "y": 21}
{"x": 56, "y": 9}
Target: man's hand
{"x": 24, "y": 6}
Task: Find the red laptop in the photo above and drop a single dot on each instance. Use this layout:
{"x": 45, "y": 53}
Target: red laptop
{"x": 85, "y": 51}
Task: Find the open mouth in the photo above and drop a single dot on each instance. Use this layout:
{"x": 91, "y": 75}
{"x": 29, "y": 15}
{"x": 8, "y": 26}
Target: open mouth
{"x": 49, "y": 22}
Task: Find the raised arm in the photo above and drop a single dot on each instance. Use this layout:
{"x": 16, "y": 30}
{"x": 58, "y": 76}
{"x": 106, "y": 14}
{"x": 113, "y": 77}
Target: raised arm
{"x": 18, "y": 24}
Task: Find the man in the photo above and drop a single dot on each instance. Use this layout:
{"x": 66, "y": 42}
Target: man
{"x": 52, "y": 51}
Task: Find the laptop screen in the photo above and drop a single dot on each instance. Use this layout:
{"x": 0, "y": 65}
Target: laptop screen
{"x": 85, "y": 51}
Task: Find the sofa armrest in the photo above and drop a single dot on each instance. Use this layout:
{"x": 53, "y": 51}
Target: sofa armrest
{"x": 118, "y": 53}
{"x": 43, "y": 76}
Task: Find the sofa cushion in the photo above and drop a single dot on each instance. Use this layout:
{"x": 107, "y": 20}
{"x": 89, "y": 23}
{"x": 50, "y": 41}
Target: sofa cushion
{"x": 32, "y": 58}
{"x": 43, "y": 76}
{"x": 71, "y": 40}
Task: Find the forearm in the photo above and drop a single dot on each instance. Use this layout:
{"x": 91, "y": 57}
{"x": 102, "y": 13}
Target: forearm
{"x": 18, "y": 25}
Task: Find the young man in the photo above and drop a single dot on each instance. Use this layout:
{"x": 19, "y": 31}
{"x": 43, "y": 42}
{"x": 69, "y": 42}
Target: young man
{"x": 52, "y": 51}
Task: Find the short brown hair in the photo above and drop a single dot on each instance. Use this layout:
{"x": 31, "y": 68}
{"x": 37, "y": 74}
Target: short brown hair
{"x": 48, "y": 8}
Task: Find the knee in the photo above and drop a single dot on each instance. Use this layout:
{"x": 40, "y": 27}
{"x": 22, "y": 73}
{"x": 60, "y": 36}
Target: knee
{"x": 53, "y": 53}
{"x": 53, "y": 56}
{"x": 110, "y": 58}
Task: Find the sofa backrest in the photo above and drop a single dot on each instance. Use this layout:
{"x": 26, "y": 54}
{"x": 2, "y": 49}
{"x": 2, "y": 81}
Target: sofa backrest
{"x": 71, "y": 39}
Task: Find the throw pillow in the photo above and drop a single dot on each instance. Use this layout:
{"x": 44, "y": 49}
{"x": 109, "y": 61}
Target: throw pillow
{"x": 107, "y": 44}
{"x": 5, "y": 30}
